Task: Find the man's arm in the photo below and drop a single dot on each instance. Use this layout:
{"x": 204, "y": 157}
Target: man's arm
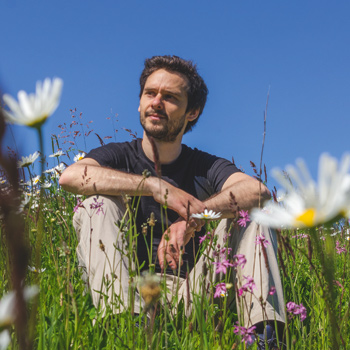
{"x": 87, "y": 177}
{"x": 246, "y": 191}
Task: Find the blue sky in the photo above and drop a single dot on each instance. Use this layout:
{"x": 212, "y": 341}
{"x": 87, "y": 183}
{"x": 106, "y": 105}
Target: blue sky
{"x": 298, "y": 50}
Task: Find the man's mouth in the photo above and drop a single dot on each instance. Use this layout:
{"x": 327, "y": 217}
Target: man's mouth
{"x": 156, "y": 116}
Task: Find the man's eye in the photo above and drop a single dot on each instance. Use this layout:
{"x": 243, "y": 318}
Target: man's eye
{"x": 149, "y": 93}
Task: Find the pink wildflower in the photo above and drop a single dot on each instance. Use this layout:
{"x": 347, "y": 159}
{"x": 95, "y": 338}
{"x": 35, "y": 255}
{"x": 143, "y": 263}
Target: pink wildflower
{"x": 339, "y": 248}
{"x": 300, "y": 235}
{"x": 97, "y": 205}
{"x": 244, "y": 218}
{"x": 297, "y": 310}
{"x": 221, "y": 266}
{"x": 220, "y": 290}
{"x": 206, "y": 236}
{"x": 240, "y": 260}
{"x": 79, "y": 205}
{"x": 247, "y": 334}
{"x": 272, "y": 290}
{"x": 225, "y": 251}
{"x": 249, "y": 285}
{"x": 260, "y": 239}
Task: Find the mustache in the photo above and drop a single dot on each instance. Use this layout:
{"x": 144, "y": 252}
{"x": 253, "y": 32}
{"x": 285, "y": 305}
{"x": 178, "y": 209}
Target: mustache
{"x": 161, "y": 113}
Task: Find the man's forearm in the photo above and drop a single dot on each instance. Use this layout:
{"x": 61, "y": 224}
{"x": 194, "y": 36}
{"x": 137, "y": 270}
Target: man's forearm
{"x": 244, "y": 195}
{"x": 90, "y": 179}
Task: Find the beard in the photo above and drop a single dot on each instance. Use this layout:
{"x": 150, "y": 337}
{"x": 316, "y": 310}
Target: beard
{"x": 164, "y": 130}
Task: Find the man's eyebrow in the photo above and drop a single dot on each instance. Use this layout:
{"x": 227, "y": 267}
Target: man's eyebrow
{"x": 172, "y": 92}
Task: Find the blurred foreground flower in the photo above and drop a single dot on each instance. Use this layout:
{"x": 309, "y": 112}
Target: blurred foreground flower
{"x": 8, "y": 312}
{"x": 149, "y": 287}
{"x": 57, "y": 154}
{"x": 310, "y": 205}
{"x": 207, "y": 215}
{"x": 26, "y": 161}
{"x": 33, "y": 109}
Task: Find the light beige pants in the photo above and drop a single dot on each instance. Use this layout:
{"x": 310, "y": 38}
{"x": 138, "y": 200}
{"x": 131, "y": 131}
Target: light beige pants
{"x": 107, "y": 270}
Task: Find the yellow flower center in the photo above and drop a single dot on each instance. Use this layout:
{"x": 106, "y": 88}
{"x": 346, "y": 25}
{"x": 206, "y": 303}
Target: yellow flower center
{"x": 205, "y": 215}
{"x": 307, "y": 217}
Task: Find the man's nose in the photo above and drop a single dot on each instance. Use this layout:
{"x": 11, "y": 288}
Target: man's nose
{"x": 157, "y": 102}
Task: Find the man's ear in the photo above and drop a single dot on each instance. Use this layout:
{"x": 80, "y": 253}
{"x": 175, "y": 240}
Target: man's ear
{"x": 192, "y": 115}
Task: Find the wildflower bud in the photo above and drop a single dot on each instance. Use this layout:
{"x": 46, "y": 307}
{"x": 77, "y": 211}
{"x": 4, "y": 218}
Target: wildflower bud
{"x": 126, "y": 199}
{"x": 146, "y": 173}
{"x": 204, "y": 269}
{"x": 166, "y": 237}
{"x": 152, "y": 220}
{"x": 144, "y": 230}
{"x": 102, "y": 246}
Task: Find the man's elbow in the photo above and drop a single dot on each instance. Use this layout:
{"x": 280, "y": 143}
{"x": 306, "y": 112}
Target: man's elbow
{"x": 265, "y": 193}
{"x": 66, "y": 181}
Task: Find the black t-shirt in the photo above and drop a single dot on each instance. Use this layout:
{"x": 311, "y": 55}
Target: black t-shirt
{"x": 194, "y": 171}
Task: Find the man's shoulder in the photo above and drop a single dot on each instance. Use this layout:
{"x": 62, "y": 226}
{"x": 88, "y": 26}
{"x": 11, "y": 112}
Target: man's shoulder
{"x": 189, "y": 151}
{"x": 122, "y": 146}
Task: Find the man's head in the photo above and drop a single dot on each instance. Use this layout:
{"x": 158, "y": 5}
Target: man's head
{"x": 197, "y": 91}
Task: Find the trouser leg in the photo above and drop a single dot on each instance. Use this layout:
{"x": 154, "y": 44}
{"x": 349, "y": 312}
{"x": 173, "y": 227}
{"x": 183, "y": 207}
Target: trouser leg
{"x": 242, "y": 241}
{"x": 101, "y": 252}
{"x": 260, "y": 305}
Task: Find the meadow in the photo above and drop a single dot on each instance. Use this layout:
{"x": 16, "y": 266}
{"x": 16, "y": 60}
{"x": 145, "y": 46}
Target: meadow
{"x": 38, "y": 245}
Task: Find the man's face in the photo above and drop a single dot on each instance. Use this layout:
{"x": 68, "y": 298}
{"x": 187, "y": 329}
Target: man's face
{"x": 163, "y": 106}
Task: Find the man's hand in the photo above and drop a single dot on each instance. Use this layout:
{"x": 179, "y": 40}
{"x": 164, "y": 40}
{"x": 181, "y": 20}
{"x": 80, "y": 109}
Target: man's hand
{"x": 175, "y": 198}
{"x": 179, "y": 234}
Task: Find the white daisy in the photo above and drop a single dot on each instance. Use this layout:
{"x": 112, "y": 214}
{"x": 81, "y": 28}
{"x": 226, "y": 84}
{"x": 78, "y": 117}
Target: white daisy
{"x": 34, "y": 269}
{"x": 57, "y": 154}
{"x": 207, "y": 215}
{"x": 79, "y": 156}
{"x": 310, "y": 204}
{"x": 59, "y": 169}
{"x": 26, "y": 161}
{"x": 33, "y": 109}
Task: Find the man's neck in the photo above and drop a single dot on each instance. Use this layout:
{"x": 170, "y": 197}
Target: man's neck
{"x": 168, "y": 151}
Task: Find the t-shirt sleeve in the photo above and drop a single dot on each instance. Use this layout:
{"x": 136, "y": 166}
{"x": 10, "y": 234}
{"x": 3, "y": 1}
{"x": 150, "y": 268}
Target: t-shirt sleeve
{"x": 211, "y": 172}
{"x": 110, "y": 155}
{"x": 219, "y": 172}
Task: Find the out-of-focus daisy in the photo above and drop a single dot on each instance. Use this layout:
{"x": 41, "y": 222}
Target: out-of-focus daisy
{"x": 56, "y": 154}
{"x": 207, "y": 215}
{"x": 149, "y": 286}
{"x": 79, "y": 156}
{"x": 26, "y": 161}
{"x": 310, "y": 204}
{"x": 36, "y": 180}
{"x": 46, "y": 185}
{"x": 5, "y": 339}
{"x": 8, "y": 305}
{"x": 34, "y": 269}
{"x": 58, "y": 170}
{"x": 33, "y": 109}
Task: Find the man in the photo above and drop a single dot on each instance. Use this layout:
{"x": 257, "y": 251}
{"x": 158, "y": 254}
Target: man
{"x": 172, "y": 97}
